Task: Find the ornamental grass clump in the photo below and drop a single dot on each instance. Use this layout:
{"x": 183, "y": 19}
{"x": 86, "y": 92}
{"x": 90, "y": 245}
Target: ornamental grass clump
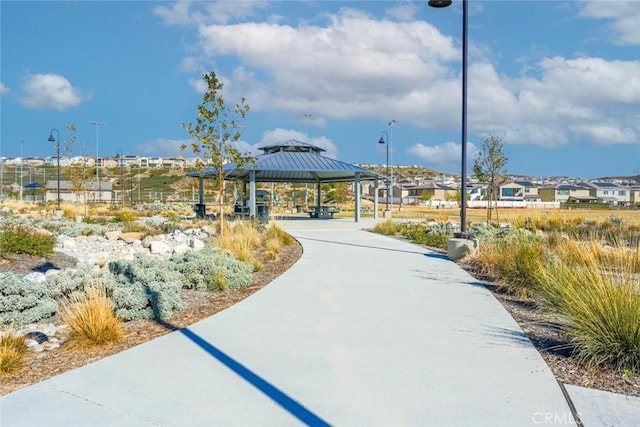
{"x": 274, "y": 231}
{"x": 91, "y": 318}
{"x": 13, "y": 350}
{"x": 272, "y": 249}
{"x": 242, "y": 240}
{"x": 599, "y": 305}
{"x": 515, "y": 261}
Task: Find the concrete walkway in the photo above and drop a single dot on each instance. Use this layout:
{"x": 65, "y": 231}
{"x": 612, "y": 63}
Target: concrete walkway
{"x": 364, "y": 330}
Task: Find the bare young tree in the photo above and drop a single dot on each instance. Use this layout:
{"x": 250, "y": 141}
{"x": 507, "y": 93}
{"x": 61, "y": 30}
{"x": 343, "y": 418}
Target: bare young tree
{"x": 216, "y": 130}
{"x": 79, "y": 173}
{"x": 489, "y": 167}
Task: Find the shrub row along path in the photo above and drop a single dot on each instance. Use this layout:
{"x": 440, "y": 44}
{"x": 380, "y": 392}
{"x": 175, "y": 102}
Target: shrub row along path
{"x": 363, "y": 330}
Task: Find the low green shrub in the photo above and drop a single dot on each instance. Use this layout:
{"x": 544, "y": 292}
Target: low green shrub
{"x": 209, "y": 269}
{"x": 147, "y": 289}
{"x": 436, "y": 235}
{"x": 23, "y": 301}
{"x": 72, "y": 283}
{"x": 388, "y": 228}
{"x": 19, "y": 239}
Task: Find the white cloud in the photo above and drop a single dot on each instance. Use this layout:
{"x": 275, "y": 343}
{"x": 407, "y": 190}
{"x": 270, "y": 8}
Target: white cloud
{"x": 50, "y": 92}
{"x": 404, "y": 11}
{"x": 446, "y": 155}
{"x": 4, "y": 89}
{"x": 181, "y": 12}
{"x": 358, "y": 67}
{"x": 622, "y": 15}
{"x": 347, "y": 69}
{"x": 165, "y": 147}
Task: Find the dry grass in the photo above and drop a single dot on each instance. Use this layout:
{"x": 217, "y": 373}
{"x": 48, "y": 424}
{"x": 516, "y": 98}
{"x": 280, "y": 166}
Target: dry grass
{"x": 13, "y": 351}
{"x": 512, "y": 216}
{"x": 600, "y": 304}
{"x": 272, "y": 249}
{"x": 91, "y": 320}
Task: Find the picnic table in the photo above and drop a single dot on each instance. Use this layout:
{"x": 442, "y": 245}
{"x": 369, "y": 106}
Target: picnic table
{"x": 322, "y": 212}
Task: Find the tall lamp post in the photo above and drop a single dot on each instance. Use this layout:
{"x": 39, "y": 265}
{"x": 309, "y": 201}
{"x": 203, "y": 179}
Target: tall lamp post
{"x": 21, "y": 163}
{"x": 388, "y": 183}
{"x": 57, "y": 141}
{"x": 391, "y": 125}
{"x": 98, "y": 184}
{"x": 463, "y": 183}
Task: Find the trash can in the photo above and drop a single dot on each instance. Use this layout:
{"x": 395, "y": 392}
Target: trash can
{"x": 200, "y": 210}
{"x": 263, "y": 213}
{"x": 299, "y": 208}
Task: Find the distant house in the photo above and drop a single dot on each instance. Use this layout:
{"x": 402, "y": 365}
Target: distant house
{"x": 174, "y": 162}
{"x": 566, "y": 192}
{"x": 94, "y": 191}
{"x": 610, "y": 193}
{"x": 430, "y": 190}
{"x": 519, "y": 191}
{"x": 635, "y": 195}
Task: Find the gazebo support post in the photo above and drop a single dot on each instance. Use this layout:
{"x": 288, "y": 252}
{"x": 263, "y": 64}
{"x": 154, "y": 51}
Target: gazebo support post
{"x": 376, "y": 191}
{"x": 252, "y": 194}
{"x": 319, "y": 196}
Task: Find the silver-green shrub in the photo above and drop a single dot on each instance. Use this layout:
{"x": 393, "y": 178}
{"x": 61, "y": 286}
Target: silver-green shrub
{"x": 146, "y": 289}
{"x": 23, "y": 301}
{"x": 71, "y": 283}
{"x": 201, "y": 269}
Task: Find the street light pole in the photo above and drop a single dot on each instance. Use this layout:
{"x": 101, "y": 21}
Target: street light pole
{"x": 57, "y": 141}
{"x": 98, "y": 183}
{"x": 388, "y": 183}
{"x": 21, "y": 163}
{"x": 391, "y": 125}
{"x": 463, "y": 176}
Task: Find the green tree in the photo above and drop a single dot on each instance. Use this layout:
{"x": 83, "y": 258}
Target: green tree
{"x": 426, "y": 195}
{"x": 490, "y": 167}
{"x": 216, "y": 132}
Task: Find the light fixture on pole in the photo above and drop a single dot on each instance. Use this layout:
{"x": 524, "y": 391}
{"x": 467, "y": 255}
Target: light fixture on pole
{"x": 57, "y": 141}
{"x": 463, "y": 176}
{"x": 388, "y": 183}
{"x": 98, "y": 183}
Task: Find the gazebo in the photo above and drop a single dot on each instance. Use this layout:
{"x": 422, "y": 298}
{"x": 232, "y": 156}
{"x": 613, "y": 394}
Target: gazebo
{"x": 295, "y": 162}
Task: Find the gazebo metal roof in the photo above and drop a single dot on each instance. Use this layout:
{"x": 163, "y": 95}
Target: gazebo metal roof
{"x": 293, "y": 161}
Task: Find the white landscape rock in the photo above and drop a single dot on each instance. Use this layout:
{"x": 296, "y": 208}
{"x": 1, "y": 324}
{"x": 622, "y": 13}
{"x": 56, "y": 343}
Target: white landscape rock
{"x": 36, "y": 277}
{"x": 159, "y": 247}
{"x": 115, "y": 246}
{"x": 113, "y": 235}
{"x": 196, "y": 244}
{"x": 181, "y": 248}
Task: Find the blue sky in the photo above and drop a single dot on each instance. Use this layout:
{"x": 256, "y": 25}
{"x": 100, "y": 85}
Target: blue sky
{"x": 559, "y": 82}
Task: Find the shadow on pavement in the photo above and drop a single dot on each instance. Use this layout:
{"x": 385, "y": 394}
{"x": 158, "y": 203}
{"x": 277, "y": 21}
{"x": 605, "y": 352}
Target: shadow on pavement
{"x": 362, "y": 246}
{"x": 278, "y": 396}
